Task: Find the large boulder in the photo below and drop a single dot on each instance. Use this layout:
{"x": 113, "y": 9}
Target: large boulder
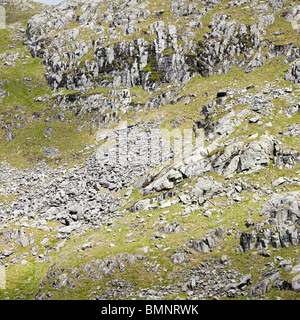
{"x": 293, "y": 74}
{"x": 209, "y": 242}
{"x": 206, "y": 187}
{"x": 283, "y": 212}
{"x": 239, "y": 157}
{"x": 269, "y": 280}
{"x": 257, "y": 154}
{"x": 283, "y": 208}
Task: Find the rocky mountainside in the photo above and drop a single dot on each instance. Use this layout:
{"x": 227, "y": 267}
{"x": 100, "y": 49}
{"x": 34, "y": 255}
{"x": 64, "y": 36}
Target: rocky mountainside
{"x": 150, "y": 150}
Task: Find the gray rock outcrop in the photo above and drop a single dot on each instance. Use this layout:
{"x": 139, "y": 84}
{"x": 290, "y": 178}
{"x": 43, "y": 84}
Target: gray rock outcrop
{"x": 283, "y": 212}
{"x": 162, "y": 54}
{"x": 293, "y": 74}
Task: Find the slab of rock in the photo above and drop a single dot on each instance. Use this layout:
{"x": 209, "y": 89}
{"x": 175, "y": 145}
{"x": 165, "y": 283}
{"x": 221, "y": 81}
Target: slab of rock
{"x": 178, "y": 258}
{"x": 209, "y": 242}
{"x": 278, "y": 182}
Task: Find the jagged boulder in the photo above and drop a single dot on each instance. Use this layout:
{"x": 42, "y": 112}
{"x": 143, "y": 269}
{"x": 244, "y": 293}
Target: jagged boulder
{"x": 292, "y": 15}
{"x": 256, "y": 154}
{"x": 277, "y": 5}
{"x": 293, "y": 74}
{"x": 170, "y": 228}
{"x": 209, "y": 242}
{"x": 206, "y": 187}
{"x": 166, "y": 182}
{"x": 178, "y": 258}
{"x": 61, "y": 282}
{"x": 283, "y": 208}
{"x": 238, "y": 157}
{"x": 269, "y": 280}
{"x": 141, "y": 205}
{"x": 283, "y": 211}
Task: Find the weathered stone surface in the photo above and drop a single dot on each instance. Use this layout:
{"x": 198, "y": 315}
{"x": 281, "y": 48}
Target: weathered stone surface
{"x": 206, "y": 187}
{"x": 293, "y": 74}
{"x": 138, "y": 62}
{"x": 238, "y": 157}
{"x": 283, "y": 212}
{"x": 105, "y": 53}
{"x": 178, "y": 258}
{"x": 61, "y": 282}
{"x": 208, "y": 243}
{"x": 269, "y": 280}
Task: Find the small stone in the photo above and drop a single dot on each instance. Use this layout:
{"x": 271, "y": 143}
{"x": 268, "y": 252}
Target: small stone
{"x": 207, "y": 214}
{"x": 178, "y": 258}
{"x": 224, "y": 259}
{"x": 87, "y": 245}
{"x": 278, "y": 182}
{"x": 254, "y": 119}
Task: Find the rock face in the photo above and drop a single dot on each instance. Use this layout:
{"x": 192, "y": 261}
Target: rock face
{"x": 293, "y": 74}
{"x": 124, "y": 63}
{"x": 238, "y": 157}
{"x": 283, "y": 212}
{"x": 134, "y": 70}
{"x": 269, "y": 280}
{"x": 205, "y": 187}
{"x": 245, "y": 158}
{"x": 160, "y": 54}
{"x": 283, "y": 208}
{"x": 19, "y": 236}
{"x": 209, "y": 242}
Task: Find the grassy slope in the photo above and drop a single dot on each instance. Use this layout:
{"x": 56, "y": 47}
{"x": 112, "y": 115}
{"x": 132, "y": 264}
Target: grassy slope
{"x": 21, "y": 152}
{"x": 25, "y": 149}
